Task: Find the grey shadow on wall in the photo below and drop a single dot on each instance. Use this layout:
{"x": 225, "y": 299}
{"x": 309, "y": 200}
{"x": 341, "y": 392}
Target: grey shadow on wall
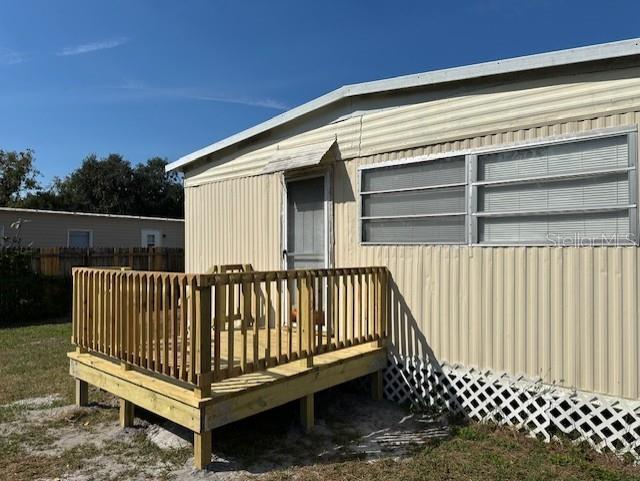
{"x": 407, "y": 341}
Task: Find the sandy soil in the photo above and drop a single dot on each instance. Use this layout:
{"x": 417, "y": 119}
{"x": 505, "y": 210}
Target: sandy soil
{"x": 348, "y": 426}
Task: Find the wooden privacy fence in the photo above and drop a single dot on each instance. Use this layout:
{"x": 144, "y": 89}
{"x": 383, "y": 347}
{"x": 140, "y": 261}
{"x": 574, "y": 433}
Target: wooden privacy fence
{"x": 58, "y": 261}
{"x": 201, "y": 328}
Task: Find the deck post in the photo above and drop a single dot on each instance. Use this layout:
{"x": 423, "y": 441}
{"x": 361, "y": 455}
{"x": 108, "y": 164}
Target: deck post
{"x": 377, "y": 385}
{"x": 126, "y": 413}
{"x": 307, "y": 412}
{"x": 82, "y": 392}
{"x": 202, "y": 449}
{"x": 203, "y": 340}
{"x": 384, "y": 307}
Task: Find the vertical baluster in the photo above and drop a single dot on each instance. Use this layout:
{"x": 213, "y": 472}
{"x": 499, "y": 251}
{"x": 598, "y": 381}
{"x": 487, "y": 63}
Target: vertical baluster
{"x": 268, "y": 318}
{"x": 278, "y": 321}
{"x": 219, "y": 320}
{"x": 256, "y": 324}
{"x": 156, "y": 328}
{"x": 192, "y": 333}
{"x": 140, "y": 321}
{"x": 135, "y": 319}
{"x": 175, "y": 288}
{"x": 305, "y": 319}
{"x": 148, "y": 319}
{"x": 184, "y": 306}
{"x": 246, "y": 315}
{"x": 322, "y": 318}
{"x": 99, "y": 318}
{"x": 330, "y": 310}
{"x": 120, "y": 279}
{"x": 131, "y": 295}
{"x": 231, "y": 329}
{"x": 112, "y": 313}
{"x": 165, "y": 325}
{"x": 299, "y": 323}
{"x": 289, "y": 314}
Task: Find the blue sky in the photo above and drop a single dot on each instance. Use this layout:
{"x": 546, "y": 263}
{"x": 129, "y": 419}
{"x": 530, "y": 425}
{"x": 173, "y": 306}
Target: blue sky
{"x": 153, "y": 77}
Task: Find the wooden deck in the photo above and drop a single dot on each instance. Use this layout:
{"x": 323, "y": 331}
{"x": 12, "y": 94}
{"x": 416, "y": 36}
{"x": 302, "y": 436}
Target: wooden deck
{"x": 163, "y": 341}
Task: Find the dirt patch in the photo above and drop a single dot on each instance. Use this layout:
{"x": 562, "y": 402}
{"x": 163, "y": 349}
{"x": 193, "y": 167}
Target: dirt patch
{"x": 38, "y": 402}
{"x": 78, "y": 444}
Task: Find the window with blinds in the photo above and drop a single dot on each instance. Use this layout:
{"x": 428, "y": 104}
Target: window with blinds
{"x": 421, "y": 202}
{"x": 582, "y": 189}
{"x": 579, "y": 189}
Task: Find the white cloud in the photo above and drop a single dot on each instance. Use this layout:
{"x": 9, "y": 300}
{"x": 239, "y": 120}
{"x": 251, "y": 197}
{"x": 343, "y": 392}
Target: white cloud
{"x": 92, "y": 47}
{"x": 189, "y": 93}
{"x": 10, "y": 57}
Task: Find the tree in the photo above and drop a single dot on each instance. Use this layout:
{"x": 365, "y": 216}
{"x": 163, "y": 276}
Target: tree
{"x": 159, "y": 193}
{"x": 17, "y": 176}
{"x": 112, "y": 186}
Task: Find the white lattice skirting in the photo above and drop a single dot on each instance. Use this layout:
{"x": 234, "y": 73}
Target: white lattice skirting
{"x": 543, "y": 410}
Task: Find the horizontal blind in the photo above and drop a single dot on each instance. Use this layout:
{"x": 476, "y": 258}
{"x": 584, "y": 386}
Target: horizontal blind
{"x": 606, "y": 190}
{"x": 549, "y": 229}
{"x": 425, "y": 202}
{"x": 416, "y": 202}
{"x": 540, "y": 210}
{"x": 426, "y": 230}
{"x": 574, "y": 157}
{"x": 414, "y": 175}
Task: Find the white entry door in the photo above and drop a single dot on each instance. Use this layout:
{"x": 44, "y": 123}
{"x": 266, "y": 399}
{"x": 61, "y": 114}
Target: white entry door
{"x": 306, "y": 234}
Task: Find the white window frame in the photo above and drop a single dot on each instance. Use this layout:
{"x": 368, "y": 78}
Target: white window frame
{"x": 90, "y": 231}
{"x": 145, "y": 232}
{"x": 360, "y": 206}
{"x": 472, "y": 184}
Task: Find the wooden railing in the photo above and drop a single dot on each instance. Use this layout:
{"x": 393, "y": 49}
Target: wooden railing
{"x": 200, "y": 328}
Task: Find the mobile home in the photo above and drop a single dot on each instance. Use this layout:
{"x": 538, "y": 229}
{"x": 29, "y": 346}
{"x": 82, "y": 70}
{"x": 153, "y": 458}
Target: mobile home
{"x": 466, "y": 237}
{"x": 501, "y": 196}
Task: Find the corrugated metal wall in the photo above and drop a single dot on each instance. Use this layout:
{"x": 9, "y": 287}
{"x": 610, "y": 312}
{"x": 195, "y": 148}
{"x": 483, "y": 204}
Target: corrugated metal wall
{"x": 567, "y": 315}
{"x": 402, "y": 121}
{"x": 234, "y": 222}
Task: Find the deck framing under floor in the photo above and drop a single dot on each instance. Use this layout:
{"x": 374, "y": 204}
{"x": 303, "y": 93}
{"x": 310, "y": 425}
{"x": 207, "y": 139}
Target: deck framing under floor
{"x": 232, "y": 399}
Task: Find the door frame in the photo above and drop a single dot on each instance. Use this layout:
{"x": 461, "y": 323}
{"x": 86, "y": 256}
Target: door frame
{"x": 328, "y": 213}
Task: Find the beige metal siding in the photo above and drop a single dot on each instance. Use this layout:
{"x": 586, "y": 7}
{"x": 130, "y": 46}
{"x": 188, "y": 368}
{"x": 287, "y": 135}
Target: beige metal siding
{"x": 234, "y": 222}
{"x": 566, "y": 315}
{"x": 45, "y": 229}
{"x": 402, "y": 121}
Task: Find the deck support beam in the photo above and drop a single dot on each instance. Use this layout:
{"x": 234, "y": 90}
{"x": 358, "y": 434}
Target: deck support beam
{"x": 202, "y": 449}
{"x": 82, "y": 392}
{"x": 377, "y": 385}
{"x": 307, "y": 412}
{"x": 126, "y": 413}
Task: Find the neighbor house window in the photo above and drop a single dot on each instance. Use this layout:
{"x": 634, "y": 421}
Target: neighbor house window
{"x": 80, "y": 238}
{"x": 577, "y": 191}
{"x": 580, "y": 190}
{"x": 421, "y": 202}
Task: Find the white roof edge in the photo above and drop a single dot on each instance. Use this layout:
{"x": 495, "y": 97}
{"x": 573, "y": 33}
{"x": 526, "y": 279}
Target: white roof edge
{"x": 92, "y": 214}
{"x": 575, "y": 55}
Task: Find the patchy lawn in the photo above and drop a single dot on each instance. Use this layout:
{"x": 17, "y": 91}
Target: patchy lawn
{"x": 33, "y": 362}
{"x": 43, "y": 437}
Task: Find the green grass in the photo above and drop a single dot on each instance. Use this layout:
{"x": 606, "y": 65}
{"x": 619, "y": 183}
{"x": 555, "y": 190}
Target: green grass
{"x": 479, "y": 452}
{"x": 33, "y": 361}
